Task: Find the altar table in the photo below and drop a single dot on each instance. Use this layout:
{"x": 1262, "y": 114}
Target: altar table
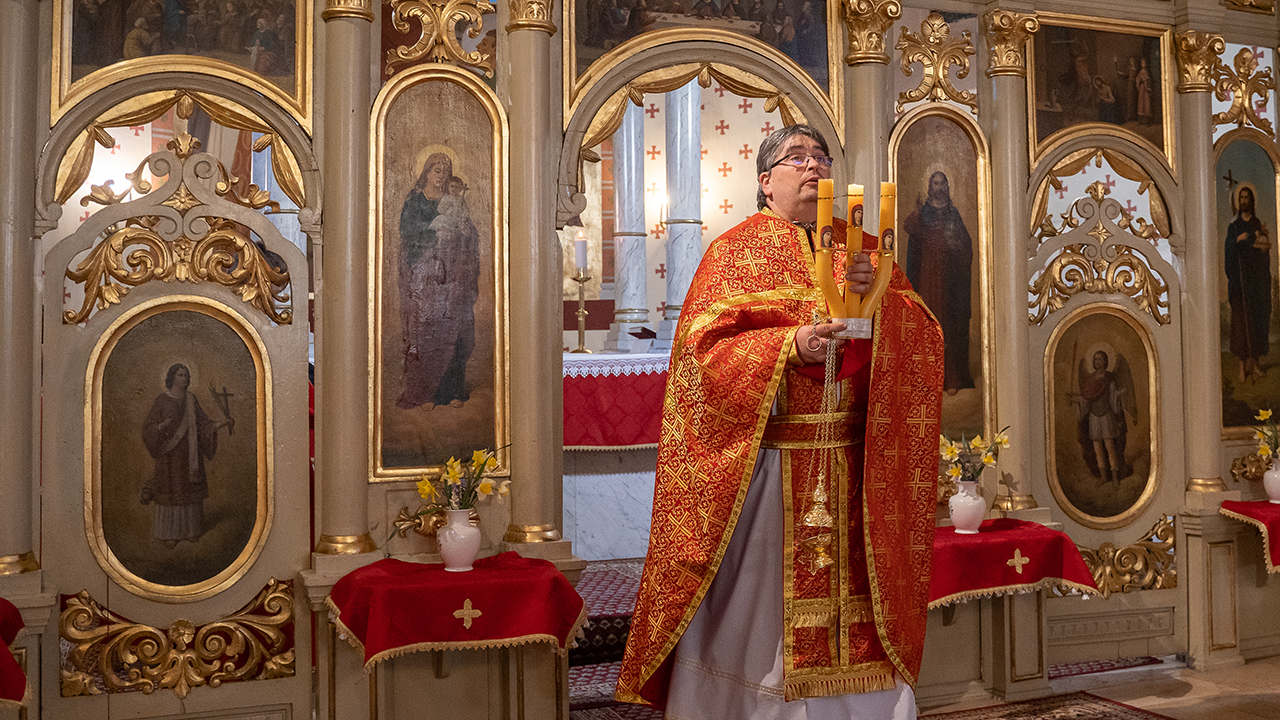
{"x": 1265, "y": 516}
{"x": 613, "y": 401}
{"x": 1005, "y": 556}
{"x": 13, "y": 682}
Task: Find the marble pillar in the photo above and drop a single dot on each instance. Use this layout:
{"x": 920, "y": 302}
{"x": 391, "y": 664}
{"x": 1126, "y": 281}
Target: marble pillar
{"x": 342, "y": 288}
{"x": 1007, "y": 34}
{"x": 1197, "y": 53}
{"x": 684, "y": 203}
{"x": 535, "y": 297}
{"x": 18, "y": 379}
{"x": 630, "y": 304}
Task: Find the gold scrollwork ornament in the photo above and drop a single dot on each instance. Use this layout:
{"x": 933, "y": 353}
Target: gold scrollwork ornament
{"x": 1197, "y": 60}
{"x": 1249, "y": 467}
{"x": 1088, "y": 268}
{"x": 1007, "y": 34}
{"x": 111, "y": 654}
{"x": 1148, "y": 564}
{"x": 531, "y": 15}
{"x": 1266, "y": 7}
{"x": 936, "y": 51}
{"x": 1239, "y": 86}
{"x": 867, "y": 22}
{"x": 438, "y": 24}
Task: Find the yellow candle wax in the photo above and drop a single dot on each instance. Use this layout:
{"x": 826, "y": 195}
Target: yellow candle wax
{"x": 853, "y": 246}
{"x": 887, "y": 248}
{"x": 822, "y": 251}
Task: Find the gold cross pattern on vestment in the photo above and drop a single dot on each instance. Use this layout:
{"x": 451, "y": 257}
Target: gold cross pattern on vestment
{"x": 1017, "y": 561}
{"x": 466, "y": 614}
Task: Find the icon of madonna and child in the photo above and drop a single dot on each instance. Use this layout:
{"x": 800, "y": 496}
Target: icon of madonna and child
{"x": 439, "y": 278}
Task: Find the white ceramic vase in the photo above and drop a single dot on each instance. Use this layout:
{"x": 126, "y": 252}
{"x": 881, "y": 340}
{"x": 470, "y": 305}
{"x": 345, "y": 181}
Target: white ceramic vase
{"x": 1271, "y": 481}
{"x": 459, "y": 541}
{"x": 967, "y": 508}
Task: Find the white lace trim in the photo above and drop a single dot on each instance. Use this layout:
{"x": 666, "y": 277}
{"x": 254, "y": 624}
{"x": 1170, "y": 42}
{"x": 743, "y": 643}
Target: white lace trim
{"x": 583, "y": 365}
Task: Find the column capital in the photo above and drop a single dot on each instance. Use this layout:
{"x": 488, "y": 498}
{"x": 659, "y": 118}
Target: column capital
{"x": 1007, "y": 34}
{"x": 1197, "y": 54}
{"x": 867, "y": 21}
{"x": 531, "y": 15}
{"x": 359, "y": 9}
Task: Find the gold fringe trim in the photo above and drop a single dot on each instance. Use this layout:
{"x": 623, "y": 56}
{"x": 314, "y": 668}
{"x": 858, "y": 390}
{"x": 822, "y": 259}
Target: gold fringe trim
{"x": 576, "y": 632}
{"x": 813, "y": 619}
{"x": 880, "y": 679}
{"x": 1262, "y": 528}
{"x": 1010, "y": 590}
{"x": 610, "y": 448}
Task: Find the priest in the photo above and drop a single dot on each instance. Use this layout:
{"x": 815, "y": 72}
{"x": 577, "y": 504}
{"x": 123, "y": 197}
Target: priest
{"x": 788, "y": 567}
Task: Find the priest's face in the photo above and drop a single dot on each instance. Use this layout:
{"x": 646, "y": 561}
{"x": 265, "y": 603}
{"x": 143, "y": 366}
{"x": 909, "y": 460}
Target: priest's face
{"x": 792, "y": 191}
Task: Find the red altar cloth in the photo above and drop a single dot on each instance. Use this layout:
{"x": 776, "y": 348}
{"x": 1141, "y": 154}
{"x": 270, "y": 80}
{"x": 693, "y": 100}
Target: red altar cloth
{"x": 1264, "y": 515}
{"x": 13, "y": 683}
{"x": 613, "y": 402}
{"x": 1005, "y": 556}
{"x": 394, "y": 607}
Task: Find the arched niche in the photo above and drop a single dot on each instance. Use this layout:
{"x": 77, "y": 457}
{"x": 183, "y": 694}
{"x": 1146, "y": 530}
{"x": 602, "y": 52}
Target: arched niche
{"x": 1245, "y": 158}
{"x": 1139, "y": 160}
{"x": 70, "y": 129}
{"x": 932, "y": 138}
{"x": 766, "y": 67}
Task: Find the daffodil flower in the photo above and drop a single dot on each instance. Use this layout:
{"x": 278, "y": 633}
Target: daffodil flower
{"x": 427, "y": 491}
{"x": 1264, "y": 450}
{"x": 1001, "y": 439}
{"x": 491, "y": 464}
{"x": 453, "y": 471}
{"x": 954, "y": 471}
{"x": 977, "y": 442}
{"x": 504, "y": 488}
{"x": 1259, "y": 435}
{"x": 478, "y": 458}
{"x": 989, "y": 460}
{"x": 950, "y": 452}
{"x": 1264, "y": 414}
{"x": 485, "y": 487}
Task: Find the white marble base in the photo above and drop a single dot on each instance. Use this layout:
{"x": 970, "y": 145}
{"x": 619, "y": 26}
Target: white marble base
{"x": 620, "y": 339}
{"x": 608, "y": 502}
{"x": 666, "y": 335}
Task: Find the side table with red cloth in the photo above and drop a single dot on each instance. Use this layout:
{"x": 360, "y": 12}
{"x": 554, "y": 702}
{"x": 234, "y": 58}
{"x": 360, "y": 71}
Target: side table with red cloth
{"x": 613, "y": 401}
{"x": 13, "y": 682}
{"x": 1005, "y": 556}
{"x": 393, "y": 607}
{"x": 1264, "y": 515}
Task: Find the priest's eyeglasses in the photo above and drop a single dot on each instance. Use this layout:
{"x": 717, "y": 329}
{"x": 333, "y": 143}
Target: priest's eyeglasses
{"x": 800, "y": 161}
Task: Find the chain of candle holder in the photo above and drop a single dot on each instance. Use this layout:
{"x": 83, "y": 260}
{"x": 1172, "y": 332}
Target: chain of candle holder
{"x": 581, "y": 277}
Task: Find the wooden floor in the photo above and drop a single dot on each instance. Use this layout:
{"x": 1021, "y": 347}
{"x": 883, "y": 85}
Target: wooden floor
{"x": 1246, "y": 692}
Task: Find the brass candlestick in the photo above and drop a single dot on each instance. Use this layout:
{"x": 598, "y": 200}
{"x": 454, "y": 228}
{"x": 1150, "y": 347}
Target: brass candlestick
{"x": 581, "y": 277}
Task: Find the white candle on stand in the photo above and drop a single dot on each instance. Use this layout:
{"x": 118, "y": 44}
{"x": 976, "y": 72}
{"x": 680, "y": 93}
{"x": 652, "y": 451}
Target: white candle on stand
{"x": 580, "y": 252}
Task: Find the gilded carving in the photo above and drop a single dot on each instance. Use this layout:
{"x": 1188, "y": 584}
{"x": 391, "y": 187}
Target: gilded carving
{"x": 1071, "y": 165}
{"x": 1239, "y": 86}
{"x": 867, "y": 22}
{"x": 425, "y": 523}
{"x": 531, "y": 15}
{"x": 1266, "y": 7}
{"x": 1249, "y": 467}
{"x": 936, "y": 51}
{"x": 359, "y": 9}
{"x": 206, "y": 248}
{"x": 1007, "y": 35}
{"x": 1197, "y": 54}
{"x": 1089, "y": 268}
{"x": 1148, "y": 564}
{"x": 78, "y": 161}
{"x": 110, "y": 654}
{"x": 438, "y": 24}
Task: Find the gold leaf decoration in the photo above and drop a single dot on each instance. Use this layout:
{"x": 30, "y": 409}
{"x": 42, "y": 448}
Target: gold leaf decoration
{"x": 110, "y": 654}
{"x": 1007, "y": 33}
{"x": 1148, "y": 564}
{"x": 936, "y": 51}
{"x": 1072, "y": 164}
{"x": 438, "y": 24}
{"x": 78, "y": 162}
{"x": 531, "y": 15}
{"x": 1266, "y": 7}
{"x": 1198, "y": 60}
{"x": 1086, "y": 268}
{"x": 358, "y": 9}
{"x": 224, "y": 256}
{"x": 1239, "y": 86}
{"x": 1249, "y": 467}
{"x": 867, "y": 21}
{"x": 426, "y": 523}
{"x": 103, "y": 195}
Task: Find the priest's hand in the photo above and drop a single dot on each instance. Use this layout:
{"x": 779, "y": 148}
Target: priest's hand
{"x": 812, "y": 341}
{"x": 859, "y": 274}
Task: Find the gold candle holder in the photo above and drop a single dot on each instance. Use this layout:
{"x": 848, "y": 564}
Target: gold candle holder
{"x": 581, "y": 277}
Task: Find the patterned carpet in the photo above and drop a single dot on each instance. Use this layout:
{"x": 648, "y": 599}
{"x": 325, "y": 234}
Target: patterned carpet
{"x": 1097, "y": 666}
{"x": 609, "y": 589}
{"x": 1072, "y": 706}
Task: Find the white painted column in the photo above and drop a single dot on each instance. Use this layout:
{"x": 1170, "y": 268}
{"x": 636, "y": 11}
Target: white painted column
{"x": 630, "y": 303}
{"x": 684, "y": 202}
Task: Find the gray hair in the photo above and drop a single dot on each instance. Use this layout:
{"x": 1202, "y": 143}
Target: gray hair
{"x": 772, "y": 147}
